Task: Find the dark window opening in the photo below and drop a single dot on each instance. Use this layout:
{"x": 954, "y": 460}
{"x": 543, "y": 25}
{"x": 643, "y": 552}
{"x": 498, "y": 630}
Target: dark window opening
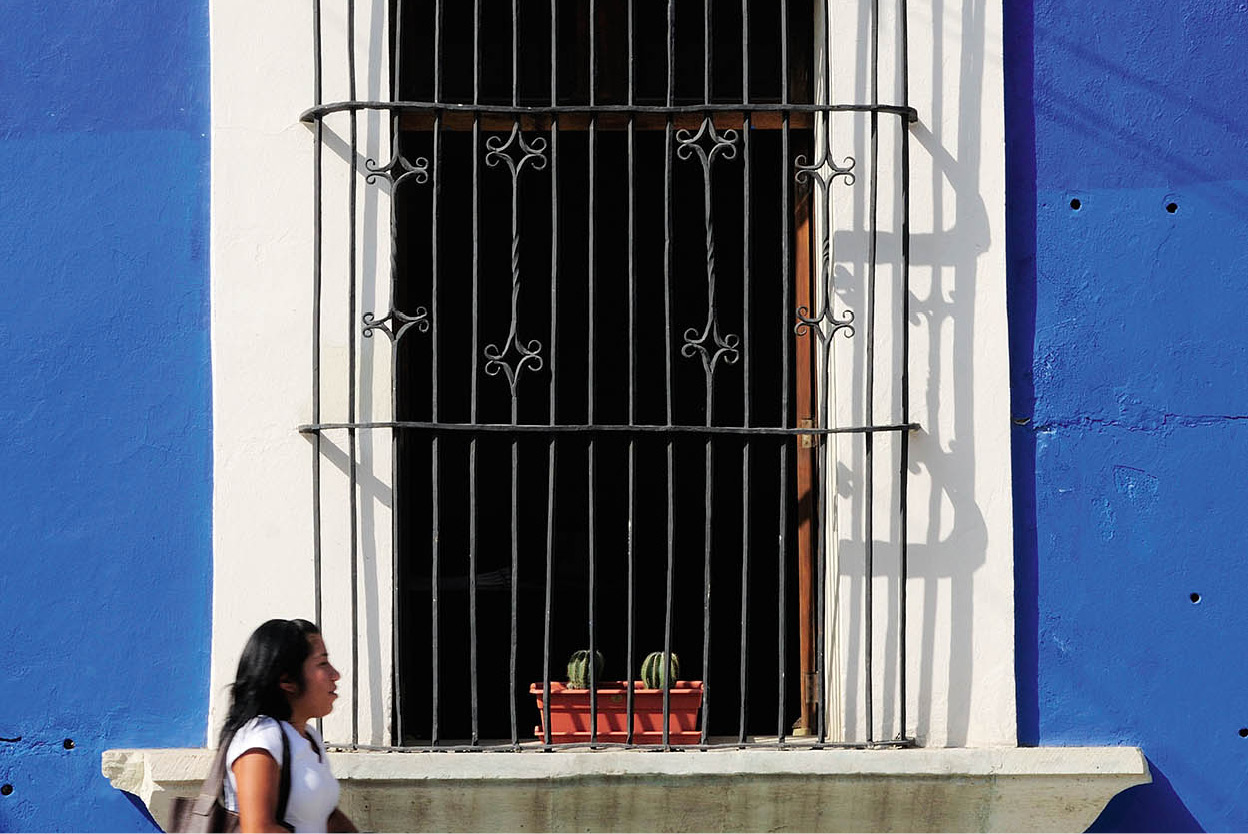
{"x": 566, "y": 260}
{"x": 491, "y": 64}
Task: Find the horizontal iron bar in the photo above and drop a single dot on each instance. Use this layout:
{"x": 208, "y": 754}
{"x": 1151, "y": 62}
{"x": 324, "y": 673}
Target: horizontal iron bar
{"x": 314, "y": 113}
{"x": 535, "y": 746}
{"x": 510, "y": 428}
{"x": 611, "y": 121}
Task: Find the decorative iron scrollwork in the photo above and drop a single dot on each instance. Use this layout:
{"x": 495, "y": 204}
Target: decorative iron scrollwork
{"x": 528, "y": 357}
{"x": 516, "y": 355}
{"x": 398, "y": 170}
{"x": 499, "y": 150}
{"x": 708, "y": 343}
{"x": 825, "y": 325}
{"x": 722, "y": 347}
{"x": 395, "y": 323}
{"x": 821, "y": 173}
{"x": 707, "y": 143}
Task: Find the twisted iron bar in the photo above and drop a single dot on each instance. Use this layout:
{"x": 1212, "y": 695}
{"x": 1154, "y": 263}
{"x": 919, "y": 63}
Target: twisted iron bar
{"x": 821, "y": 173}
{"x": 404, "y": 322}
{"x": 398, "y": 170}
{"x": 709, "y": 344}
{"x": 515, "y": 153}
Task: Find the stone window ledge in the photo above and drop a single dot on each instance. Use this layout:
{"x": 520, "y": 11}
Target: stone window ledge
{"x": 925, "y": 789}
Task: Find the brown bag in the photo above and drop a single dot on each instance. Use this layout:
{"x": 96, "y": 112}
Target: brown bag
{"x": 207, "y": 813}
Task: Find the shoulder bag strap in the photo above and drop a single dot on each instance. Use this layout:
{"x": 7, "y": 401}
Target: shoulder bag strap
{"x": 214, "y": 784}
{"x": 283, "y": 791}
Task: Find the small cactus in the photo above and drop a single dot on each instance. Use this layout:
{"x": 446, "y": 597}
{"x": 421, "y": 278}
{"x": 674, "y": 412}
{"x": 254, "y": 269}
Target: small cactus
{"x": 578, "y": 669}
{"x": 652, "y": 670}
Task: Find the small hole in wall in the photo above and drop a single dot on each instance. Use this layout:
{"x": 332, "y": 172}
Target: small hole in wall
{"x": 6, "y": 789}
{"x": 1172, "y": 207}
{"x": 1194, "y": 597}
{"x": 1243, "y": 733}
{"x": 1075, "y": 204}
{"x": 68, "y": 743}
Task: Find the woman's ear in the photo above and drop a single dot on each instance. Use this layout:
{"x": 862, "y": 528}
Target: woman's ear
{"x": 288, "y": 686}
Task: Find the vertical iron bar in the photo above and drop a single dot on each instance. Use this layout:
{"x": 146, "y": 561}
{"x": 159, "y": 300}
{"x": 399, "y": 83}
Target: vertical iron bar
{"x": 351, "y": 393}
{"x": 818, "y": 532}
{"x": 396, "y": 729}
{"x": 632, "y": 375}
{"x": 515, "y": 573}
{"x": 745, "y": 360}
{"x": 821, "y": 514}
{"x": 667, "y": 330}
{"x": 905, "y": 357}
{"x": 706, "y": 51}
{"x": 708, "y": 454}
{"x": 317, "y": 247}
{"x": 515, "y": 413}
{"x": 435, "y": 450}
{"x": 476, "y": 295}
{"x": 869, "y": 481}
{"x": 786, "y": 337}
{"x": 592, "y": 452}
{"x": 822, "y": 506}
{"x": 552, "y": 443}
{"x": 708, "y": 498}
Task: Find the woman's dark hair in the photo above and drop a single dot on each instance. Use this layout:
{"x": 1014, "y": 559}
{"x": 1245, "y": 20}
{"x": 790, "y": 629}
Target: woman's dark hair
{"x": 275, "y": 650}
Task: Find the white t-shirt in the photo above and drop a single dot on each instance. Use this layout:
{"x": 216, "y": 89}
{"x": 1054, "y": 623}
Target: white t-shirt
{"x": 313, "y": 788}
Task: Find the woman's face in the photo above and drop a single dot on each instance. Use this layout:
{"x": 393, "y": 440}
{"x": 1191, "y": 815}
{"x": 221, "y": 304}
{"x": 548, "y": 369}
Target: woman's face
{"x": 320, "y": 683}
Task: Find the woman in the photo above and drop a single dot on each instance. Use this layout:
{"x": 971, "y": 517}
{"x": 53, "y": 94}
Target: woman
{"x": 284, "y": 680}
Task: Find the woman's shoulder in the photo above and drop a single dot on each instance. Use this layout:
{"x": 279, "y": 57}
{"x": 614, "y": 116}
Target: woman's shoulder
{"x": 263, "y": 724}
{"x": 261, "y": 732}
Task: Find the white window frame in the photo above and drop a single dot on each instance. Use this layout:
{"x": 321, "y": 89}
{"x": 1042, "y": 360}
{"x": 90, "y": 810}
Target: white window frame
{"x": 961, "y": 614}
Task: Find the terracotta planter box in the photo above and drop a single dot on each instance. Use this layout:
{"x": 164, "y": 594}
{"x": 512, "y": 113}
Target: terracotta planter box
{"x": 569, "y": 713}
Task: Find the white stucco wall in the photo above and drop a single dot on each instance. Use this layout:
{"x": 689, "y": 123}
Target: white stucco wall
{"x": 263, "y": 175}
{"x": 960, "y": 609}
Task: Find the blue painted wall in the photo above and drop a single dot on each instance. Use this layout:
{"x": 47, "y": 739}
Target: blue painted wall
{"x": 1128, "y": 352}
{"x": 105, "y": 448}
{"x": 1130, "y": 391}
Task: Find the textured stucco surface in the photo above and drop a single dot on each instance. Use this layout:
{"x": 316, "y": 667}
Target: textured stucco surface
{"x": 105, "y": 452}
{"x": 966, "y": 789}
{"x": 1128, "y": 354}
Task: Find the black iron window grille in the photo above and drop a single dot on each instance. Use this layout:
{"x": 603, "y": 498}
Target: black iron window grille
{"x": 613, "y": 301}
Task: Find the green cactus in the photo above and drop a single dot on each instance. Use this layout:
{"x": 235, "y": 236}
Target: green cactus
{"x": 578, "y": 669}
{"x": 652, "y": 670}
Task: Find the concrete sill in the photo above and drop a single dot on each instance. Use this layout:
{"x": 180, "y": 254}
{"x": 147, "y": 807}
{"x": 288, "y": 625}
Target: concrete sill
{"x": 925, "y": 789}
